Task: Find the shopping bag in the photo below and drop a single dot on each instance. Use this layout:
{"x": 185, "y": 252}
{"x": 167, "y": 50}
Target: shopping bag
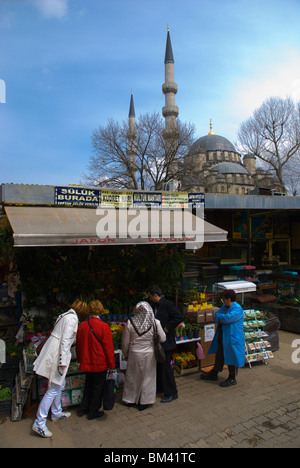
{"x": 199, "y": 352}
{"x": 109, "y": 394}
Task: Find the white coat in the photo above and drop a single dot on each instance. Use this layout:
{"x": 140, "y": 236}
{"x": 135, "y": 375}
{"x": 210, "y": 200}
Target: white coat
{"x": 140, "y": 378}
{"x": 57, "y": 351}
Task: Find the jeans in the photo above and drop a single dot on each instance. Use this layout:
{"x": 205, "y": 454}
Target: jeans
{"x": 51, "y": 399}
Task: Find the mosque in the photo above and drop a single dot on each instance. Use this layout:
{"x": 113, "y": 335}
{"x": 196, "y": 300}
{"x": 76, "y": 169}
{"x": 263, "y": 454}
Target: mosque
{"x": 212, "y": 165}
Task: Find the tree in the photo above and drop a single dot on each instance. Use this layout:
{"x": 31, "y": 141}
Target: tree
{"x": 153, "y": 165}
{"x": 272, "y": 134}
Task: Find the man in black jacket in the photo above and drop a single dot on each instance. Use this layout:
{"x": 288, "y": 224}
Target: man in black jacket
{"x": 169, "y": 317}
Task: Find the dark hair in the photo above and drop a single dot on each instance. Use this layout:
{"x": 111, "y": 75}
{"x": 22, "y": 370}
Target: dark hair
{"x": 154, "y": 290}
{"x": 229, "y": 294}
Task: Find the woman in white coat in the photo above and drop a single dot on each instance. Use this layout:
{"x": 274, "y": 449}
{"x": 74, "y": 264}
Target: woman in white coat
{"x": 53, "y": 363}
{"x": 138, "y": 348}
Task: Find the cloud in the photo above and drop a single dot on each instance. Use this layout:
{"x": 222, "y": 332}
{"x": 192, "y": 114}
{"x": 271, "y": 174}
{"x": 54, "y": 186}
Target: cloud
{"x": 51, "y": 8}
{"x": 280, "y": 77}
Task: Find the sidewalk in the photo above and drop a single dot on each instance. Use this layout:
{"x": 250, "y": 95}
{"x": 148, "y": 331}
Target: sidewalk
{"x": 262, "y": 411}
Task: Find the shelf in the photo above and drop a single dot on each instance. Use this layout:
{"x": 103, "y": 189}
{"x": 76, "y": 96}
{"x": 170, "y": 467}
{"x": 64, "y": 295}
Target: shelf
{"x": 187, "y": 341}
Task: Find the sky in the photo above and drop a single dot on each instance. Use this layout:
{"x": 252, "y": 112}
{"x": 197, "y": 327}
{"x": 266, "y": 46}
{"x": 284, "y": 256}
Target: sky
{"x": 68, "y": 66}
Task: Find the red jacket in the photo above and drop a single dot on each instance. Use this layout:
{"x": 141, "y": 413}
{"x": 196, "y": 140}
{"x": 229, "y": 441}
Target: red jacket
{"x": 91, "y": 355}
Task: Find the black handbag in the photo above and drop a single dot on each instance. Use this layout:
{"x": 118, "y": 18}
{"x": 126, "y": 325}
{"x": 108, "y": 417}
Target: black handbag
{"x": 159, "y": 351}
{"x": 109, "y": 394}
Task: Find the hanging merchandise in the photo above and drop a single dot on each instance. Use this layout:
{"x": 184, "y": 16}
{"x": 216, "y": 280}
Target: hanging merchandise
{"x": 199, "y": 352}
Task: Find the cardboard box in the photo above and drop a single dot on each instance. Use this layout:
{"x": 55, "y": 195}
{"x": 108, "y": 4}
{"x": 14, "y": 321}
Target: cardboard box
{"x": 196, "y": 317}
{"x": 210, "y": 314}
{"x": 201, "y": 316}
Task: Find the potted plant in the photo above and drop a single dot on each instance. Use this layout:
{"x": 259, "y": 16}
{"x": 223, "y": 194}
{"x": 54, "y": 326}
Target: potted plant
{"x": 180, "y": 331}
{"x": 189, "y": 330}
{"x": 195, "y": 330}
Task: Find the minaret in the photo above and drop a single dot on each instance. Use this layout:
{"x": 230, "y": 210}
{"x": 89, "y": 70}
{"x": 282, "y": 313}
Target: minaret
{"x": 131, "y": 135}
{"x": 170, "y": 111}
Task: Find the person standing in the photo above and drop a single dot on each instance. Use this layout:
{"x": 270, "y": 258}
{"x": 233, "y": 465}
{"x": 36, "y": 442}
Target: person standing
{"x": 229, "y": 340}
{"x": 53, "y": 362}
{"x": 95, "y": 355}
{"x": 169, "y": 317}
{"x": 138, "y": 349}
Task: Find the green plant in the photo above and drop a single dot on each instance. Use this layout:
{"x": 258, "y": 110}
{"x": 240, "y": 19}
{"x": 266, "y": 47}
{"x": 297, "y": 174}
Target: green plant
{"x": 170, "y": 270}
{"x": 188, "y": 327}
{"x": 6, "y": 238}
{"x": 192, "y": 295}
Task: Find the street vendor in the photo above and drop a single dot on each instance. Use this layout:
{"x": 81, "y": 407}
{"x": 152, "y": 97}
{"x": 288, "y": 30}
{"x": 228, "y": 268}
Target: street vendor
{"x": 229, "y": 341}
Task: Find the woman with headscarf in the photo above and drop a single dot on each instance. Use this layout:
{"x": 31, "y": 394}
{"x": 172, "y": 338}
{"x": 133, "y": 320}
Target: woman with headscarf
{"x": 138, "y": 349}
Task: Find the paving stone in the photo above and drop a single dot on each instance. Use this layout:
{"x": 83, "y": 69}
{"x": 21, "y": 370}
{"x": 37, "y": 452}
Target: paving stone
{"x": 262, "y": 411}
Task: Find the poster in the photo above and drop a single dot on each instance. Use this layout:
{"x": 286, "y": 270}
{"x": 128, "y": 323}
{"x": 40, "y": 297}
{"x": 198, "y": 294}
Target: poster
{"x": 209, "y": 332}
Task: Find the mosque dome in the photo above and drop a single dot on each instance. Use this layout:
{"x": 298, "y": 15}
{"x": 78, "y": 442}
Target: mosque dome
{"x": 212, "y": 143}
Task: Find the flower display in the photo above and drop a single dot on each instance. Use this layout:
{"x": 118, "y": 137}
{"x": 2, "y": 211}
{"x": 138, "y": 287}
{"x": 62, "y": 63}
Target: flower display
{"x": 184, "y": 360}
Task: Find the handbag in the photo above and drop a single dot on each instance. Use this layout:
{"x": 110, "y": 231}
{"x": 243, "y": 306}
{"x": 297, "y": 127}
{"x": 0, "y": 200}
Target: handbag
{"x": 39, "y": 348}
{"x": 159, "y": 351}
{"x": 109, "y": 394}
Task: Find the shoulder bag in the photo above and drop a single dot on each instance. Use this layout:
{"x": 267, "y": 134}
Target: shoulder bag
{"x": 159, "y": 351}
{"x": 39, "y": 348}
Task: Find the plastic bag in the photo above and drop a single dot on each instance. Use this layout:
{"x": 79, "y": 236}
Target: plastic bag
{"x": 199, "y": 352}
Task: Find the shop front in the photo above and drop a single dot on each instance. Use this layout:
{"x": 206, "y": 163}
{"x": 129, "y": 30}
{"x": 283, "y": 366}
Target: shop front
{"x": 73, "y": 242}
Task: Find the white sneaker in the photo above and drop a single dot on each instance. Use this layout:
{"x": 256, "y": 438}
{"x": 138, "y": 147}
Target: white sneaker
{"x": 42, "y": 432}
{"x": 63, "y": 415}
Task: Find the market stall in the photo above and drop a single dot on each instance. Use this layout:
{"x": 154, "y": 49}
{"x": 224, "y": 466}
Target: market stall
{"x": 50, "y": 223}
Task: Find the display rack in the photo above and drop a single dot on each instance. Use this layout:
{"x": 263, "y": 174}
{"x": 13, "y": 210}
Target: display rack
{"x": 22, "y": 386}
{"x": 257, "y": 347}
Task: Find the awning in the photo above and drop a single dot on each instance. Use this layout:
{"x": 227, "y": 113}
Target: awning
{"x": 60, "y": 226}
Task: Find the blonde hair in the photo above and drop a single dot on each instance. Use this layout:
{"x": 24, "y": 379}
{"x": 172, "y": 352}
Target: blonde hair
{"x": 80, "y": 307}
{"x": 95, "y": 308}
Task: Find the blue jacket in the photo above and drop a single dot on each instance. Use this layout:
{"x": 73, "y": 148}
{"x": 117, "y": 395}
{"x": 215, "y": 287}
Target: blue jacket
{"x": 233, "y": 335}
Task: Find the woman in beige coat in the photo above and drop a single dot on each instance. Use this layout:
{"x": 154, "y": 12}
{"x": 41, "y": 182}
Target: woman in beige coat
{"x": 138, "y": 348}
{"x": 53, "y": 363}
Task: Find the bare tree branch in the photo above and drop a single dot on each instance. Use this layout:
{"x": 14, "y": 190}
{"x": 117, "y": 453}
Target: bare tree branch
{"x": 109, "y": 165}
{"x": 272, "y": 134}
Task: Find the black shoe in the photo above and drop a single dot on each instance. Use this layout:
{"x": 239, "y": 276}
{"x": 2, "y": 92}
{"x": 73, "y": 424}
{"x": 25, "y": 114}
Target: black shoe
{"x": 96, "y": 416}
{"x": 168, "y": 399}
{"x": 212, "y": 375}
{"x": 229, "y": 382}
{"x": 142, "y": 407}
{"x": 81, "y": 413}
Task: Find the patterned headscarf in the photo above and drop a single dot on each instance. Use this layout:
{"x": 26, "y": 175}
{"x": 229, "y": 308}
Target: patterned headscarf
{"x": 143, "y": 317}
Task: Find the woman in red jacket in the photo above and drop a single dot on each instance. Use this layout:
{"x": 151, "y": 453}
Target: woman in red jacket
{"x": 95, "y": 354}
